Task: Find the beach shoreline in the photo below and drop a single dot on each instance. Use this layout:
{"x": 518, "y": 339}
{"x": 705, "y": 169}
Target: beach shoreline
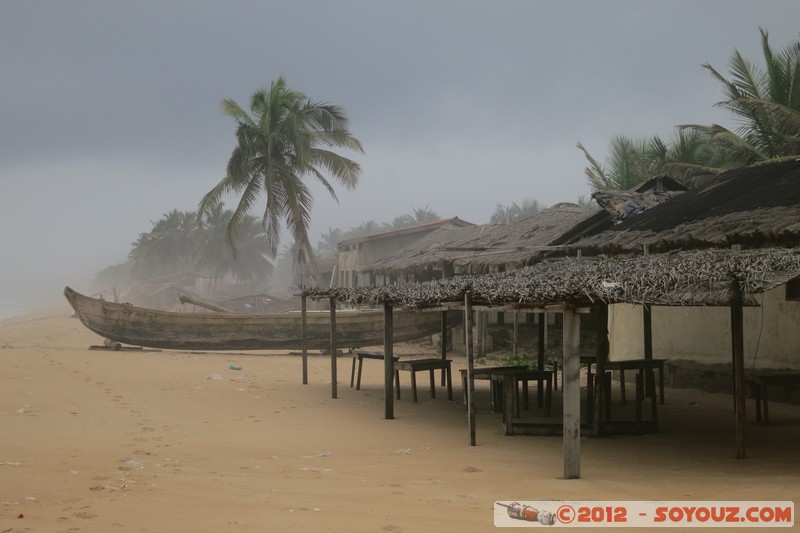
{"x": 143, "y": 440}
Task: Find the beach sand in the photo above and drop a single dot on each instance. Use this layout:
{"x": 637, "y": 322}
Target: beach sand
{"x": 152, "y": 441}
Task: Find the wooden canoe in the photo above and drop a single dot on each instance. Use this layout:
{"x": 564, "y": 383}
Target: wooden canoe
{"x": 138, "y": 326}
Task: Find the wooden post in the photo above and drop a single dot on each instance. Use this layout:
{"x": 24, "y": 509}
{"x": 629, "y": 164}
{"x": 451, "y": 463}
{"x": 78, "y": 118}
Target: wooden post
{"x": 647, "y": 331}
{"x": 540, "y": 355}
{"x": 334, "y": 392}
{"x": 444, "y": 344}
{"x": 737, "y": 345}
{"x": 600, "y": 398}
{"x": 470, "y": 369}
{"x": 303, "y": 333}
{"x": 571, "y": 386}
{"x": 515, "y": 335}
{"x": 388, "y": 361}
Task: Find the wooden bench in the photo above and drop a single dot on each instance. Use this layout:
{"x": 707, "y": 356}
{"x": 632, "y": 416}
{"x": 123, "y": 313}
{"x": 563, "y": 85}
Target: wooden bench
{"x": 358, "y": 359}
{"x": 762, "y": 380}
{"x": 417, "y": 365}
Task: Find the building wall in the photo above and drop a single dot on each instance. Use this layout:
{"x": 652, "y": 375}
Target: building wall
{"x": 703, "y": 335}
{"x": 355, "y": 256}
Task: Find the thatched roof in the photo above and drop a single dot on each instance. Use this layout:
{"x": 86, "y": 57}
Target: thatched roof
{"x": 622, "y": 204}
{"x": 478, "y": 249}
{"x": 684, "y": 278}
{"x": 425, "y": 227}
{"x": 757, "y": 206}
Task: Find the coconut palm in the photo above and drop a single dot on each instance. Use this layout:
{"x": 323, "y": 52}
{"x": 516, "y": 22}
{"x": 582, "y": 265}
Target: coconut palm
{"x": 508, "y": 214}
{"x": 766, "y": 102}
{"x": 215, "y": 256}
{"x": 283, "y": 139}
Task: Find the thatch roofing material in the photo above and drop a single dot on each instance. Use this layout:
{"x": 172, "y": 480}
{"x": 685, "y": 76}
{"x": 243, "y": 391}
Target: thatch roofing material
{"x": 757, "y": 206}
{"x": 478, "y": 249}
{"x": 683, "y": 278}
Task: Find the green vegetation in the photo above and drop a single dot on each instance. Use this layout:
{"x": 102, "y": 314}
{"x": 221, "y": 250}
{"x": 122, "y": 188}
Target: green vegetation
{"x": 282, "y": 140}
{"x": 764, "y": 100}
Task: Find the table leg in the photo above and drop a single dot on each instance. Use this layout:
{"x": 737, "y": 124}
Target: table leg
{"x": 622, "y": 385}
{"x": 509, "y": 397}
{"x": 661, "y": 383}
{"x": 433, "y": 383}
{"x": 358, "y": 379}
{"x": 525, "y": 404}
{"x": 766, "y": 405}
{"x": 548, "y": 396}
{"x": 397, "y": 383}
{"x": 414, "y": 385}
{"x": 449, "y": 382}
{"x": 607, "y": 395}
{"x": 757, "y": 394}
{"x": 353, "y": 371}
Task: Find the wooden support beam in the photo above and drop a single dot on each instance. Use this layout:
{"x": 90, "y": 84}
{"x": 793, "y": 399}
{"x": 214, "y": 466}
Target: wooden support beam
{"x": 647, "y": 334}
{"x": 572, "y": 394}
{"x": 542, "y": 318}
{"x": 737, "y": 348}
{"x": 515, "y": 335}
{"x": 600, "y": 397}
{"x": 444, "y": 344}
{"x": 334, "y": 390}
{"x": 388, "y": 361}
{"x": 303, "y": 334}
{"x": 470, "y": 369}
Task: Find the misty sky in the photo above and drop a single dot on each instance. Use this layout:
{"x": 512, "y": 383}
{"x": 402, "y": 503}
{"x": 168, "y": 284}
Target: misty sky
{"x": 110, "y": 116}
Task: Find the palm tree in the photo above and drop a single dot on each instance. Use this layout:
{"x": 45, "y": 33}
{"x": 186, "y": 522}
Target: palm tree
{"x": 284, "y": 138}
{"x": 330, "y": 241}
{"x": 508, "y": 214}
{"x": 215, "y": 255}
{"x": 766, "y": 102}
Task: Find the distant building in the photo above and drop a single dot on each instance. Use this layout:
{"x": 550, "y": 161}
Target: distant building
{"x": 358, "y": 252}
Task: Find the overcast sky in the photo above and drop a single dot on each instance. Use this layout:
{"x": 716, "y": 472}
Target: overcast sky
{"x": 110, "y": 116}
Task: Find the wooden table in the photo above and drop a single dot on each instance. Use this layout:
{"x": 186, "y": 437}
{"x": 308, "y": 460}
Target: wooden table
{"x": 417, "y": 365}
{"x": 641, "y": 366}
{"x": 358, "y": 357}
{"x": 764, "y": 379}
{"x": 496, "y": 376}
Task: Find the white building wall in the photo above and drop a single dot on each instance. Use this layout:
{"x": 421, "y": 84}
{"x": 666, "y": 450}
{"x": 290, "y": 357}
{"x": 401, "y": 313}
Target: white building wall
{"x": 703, "y": 335}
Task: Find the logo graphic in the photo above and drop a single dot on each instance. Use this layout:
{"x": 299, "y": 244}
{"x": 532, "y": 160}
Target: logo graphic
{"x": 529, "y": 514}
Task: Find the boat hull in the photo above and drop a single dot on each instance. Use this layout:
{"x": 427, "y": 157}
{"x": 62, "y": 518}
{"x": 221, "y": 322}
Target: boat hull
{"x": 153, "y": 328}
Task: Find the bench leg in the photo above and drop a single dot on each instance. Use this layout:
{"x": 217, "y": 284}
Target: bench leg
{"x": 397, "y": 383}
{"x": 414, "y": 385}
{"x": 607, "y": 395}
{"x": 353, "y": 371}
{"x": 766, "y": 405}
{"x": 661, "y": 383}
{"x": 433, "y": 383}
{"x": 464, "y": 386}
{"x": 622, "y": 385}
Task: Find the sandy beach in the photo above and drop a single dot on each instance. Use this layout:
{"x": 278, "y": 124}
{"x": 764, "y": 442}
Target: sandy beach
{"x": 174, "y": 441}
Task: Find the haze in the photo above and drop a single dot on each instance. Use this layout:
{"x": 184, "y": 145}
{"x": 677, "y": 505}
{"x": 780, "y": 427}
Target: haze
{"x": 109, "y": 111}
